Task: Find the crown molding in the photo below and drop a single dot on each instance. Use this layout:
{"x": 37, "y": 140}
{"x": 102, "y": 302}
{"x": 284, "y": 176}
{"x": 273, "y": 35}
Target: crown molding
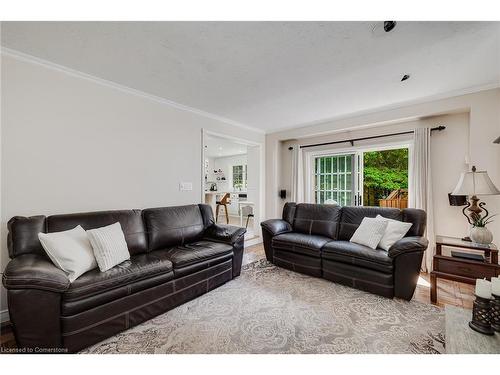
{"x": 76, "y": 73}
{"x": 390, "y": 107}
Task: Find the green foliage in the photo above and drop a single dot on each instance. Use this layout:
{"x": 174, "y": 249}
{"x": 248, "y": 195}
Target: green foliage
{"x": 481, "y": 222}
{"x": 384, "y": 171}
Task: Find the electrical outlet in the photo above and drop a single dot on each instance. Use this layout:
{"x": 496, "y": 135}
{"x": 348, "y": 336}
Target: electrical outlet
{"x": 185, "y": 186}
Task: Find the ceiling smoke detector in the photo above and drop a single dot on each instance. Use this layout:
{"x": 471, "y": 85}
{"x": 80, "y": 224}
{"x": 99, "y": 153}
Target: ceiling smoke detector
{"x": 389, "y": 25}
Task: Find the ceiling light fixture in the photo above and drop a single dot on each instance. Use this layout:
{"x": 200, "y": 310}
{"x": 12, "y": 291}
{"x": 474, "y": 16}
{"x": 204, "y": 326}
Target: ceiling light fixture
{"x": 389, "y": 26}
{"x": 405, "y": 77}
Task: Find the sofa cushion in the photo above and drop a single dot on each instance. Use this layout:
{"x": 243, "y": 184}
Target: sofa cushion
{"x": 352, "y": 217}
{"x": 139, "y": 267}
{"x": 130, "y": 222}
{"x": 319, "y": 219}
{"x": 173, "y": 226}
{"x": 23, "y": 235}
{"x": 362, "y": 256}
{"x": 307, "y": 244}
{"x": 418, "y": 218}
{"x": 196, "y": 252}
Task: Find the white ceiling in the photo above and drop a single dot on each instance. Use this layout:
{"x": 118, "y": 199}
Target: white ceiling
{"x": 216, "y": 147}
{"x": 272, "y": 75}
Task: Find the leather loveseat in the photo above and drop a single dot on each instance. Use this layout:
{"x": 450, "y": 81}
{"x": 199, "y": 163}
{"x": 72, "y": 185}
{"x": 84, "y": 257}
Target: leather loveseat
{"x": 177, "y": 254}
{"x": 314, "y": 239}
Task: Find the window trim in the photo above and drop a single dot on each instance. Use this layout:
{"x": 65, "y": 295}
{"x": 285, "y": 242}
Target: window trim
{"x": 311, "y": 155}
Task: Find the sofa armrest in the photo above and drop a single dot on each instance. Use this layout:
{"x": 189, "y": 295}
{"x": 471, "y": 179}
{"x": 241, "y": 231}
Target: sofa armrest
{"x": 33, "y": 271}
{"x": 224, "y": 233}
{"x": 408, "y": 245}
{"x": 276, "y": 226}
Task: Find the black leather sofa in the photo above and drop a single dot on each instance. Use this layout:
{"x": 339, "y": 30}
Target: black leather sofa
{"x": 177, "y": 254}
{"x": 314, "y": 239}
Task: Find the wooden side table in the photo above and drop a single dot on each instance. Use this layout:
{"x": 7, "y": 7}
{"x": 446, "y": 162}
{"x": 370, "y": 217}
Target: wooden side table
{"x": 460, "y": 269}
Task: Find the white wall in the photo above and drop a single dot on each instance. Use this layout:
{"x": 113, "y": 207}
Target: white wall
{"x": 484, "y": 126}
{"x": 449, "y": 149}
{"x": 71, "y": 144}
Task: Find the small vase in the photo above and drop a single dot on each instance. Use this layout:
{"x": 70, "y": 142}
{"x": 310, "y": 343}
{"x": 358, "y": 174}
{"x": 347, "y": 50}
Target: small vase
{"x": 481, "y": 235}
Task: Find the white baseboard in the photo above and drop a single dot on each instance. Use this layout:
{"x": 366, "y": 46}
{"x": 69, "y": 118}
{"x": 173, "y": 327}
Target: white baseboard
{"x": 4, "y": 316}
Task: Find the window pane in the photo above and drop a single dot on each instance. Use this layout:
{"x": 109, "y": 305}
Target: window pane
{"x": 348, "y": 161}
{"x": 328, "y": 182}
{"x": 333, "y": 178}
{"x": 342, "y": 163}
{"x": 348, "y": 198}
{"x": 328, "y": 165}
{"x": 328, "y": 195}
{"x": 335, "y": 182}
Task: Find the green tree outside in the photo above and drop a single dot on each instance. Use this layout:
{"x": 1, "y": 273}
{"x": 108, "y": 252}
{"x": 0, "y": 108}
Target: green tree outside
{"x": 384, "y": 171}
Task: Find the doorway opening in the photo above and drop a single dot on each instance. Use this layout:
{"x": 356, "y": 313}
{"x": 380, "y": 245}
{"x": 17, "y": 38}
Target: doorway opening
{"x": 231, "y": 182}
{"x": 365, "y": 177}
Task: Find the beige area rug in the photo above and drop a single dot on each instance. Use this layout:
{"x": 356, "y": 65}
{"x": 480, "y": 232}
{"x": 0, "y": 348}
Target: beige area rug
{"x": 272, "y": 310}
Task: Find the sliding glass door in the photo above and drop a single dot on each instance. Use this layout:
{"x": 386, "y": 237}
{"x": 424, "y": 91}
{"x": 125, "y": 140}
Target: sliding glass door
{"x": 371, "y": 177}
{"x": 334, "y": 179}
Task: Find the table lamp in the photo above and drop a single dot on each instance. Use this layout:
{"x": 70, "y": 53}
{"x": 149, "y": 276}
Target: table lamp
{"x": 472, "y": 184}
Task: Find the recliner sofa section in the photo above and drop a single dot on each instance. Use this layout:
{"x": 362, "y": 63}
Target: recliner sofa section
{"x": 177, "y": 254}
{"x": 314, "y": 239}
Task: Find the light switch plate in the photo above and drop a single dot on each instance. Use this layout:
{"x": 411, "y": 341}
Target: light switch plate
{"x": 185, "y": 186}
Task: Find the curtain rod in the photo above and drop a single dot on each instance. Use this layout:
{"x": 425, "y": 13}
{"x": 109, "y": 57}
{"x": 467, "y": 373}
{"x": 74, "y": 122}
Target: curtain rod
{"x": 351, "y": 141}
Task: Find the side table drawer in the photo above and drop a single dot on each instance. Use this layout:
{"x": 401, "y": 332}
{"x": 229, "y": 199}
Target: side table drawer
{"x": 474, "y": 270}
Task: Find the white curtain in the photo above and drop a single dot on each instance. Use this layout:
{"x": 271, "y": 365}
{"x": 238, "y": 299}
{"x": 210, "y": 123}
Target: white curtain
{"x": 297, "y": 192}
{"x": 420, "y": 186}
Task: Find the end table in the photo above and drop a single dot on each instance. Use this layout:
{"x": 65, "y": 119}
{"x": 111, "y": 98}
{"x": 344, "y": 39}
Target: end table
{"x": 461, "y": 269}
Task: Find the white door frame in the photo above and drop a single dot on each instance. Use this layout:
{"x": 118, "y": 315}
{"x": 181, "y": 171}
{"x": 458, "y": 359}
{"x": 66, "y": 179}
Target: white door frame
{"x": 311, "y": 155}
{"x": 261, "y": 195}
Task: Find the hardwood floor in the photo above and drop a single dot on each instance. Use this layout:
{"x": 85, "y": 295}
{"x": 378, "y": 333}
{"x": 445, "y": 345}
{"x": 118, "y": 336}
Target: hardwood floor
{"x": 449, "y": 293}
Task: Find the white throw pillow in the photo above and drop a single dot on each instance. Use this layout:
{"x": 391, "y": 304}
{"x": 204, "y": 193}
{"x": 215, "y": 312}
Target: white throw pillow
{"x": 393, "y": 233}
{"x": 369, "y": 232}
{"x": 70, "y": 251}
{"x": 109, "y": 246}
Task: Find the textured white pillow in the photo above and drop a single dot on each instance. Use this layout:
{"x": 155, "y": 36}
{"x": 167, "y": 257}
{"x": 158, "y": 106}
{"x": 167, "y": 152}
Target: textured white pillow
{"x": 70, "y": 251}
{"x": 109, "y": 246}
{"x": 394, "y": 232}
{"x": 369, "y": 232}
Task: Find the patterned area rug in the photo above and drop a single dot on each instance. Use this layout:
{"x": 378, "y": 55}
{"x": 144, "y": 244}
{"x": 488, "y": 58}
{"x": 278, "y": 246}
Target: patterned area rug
{"x": 272, "y": 310}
